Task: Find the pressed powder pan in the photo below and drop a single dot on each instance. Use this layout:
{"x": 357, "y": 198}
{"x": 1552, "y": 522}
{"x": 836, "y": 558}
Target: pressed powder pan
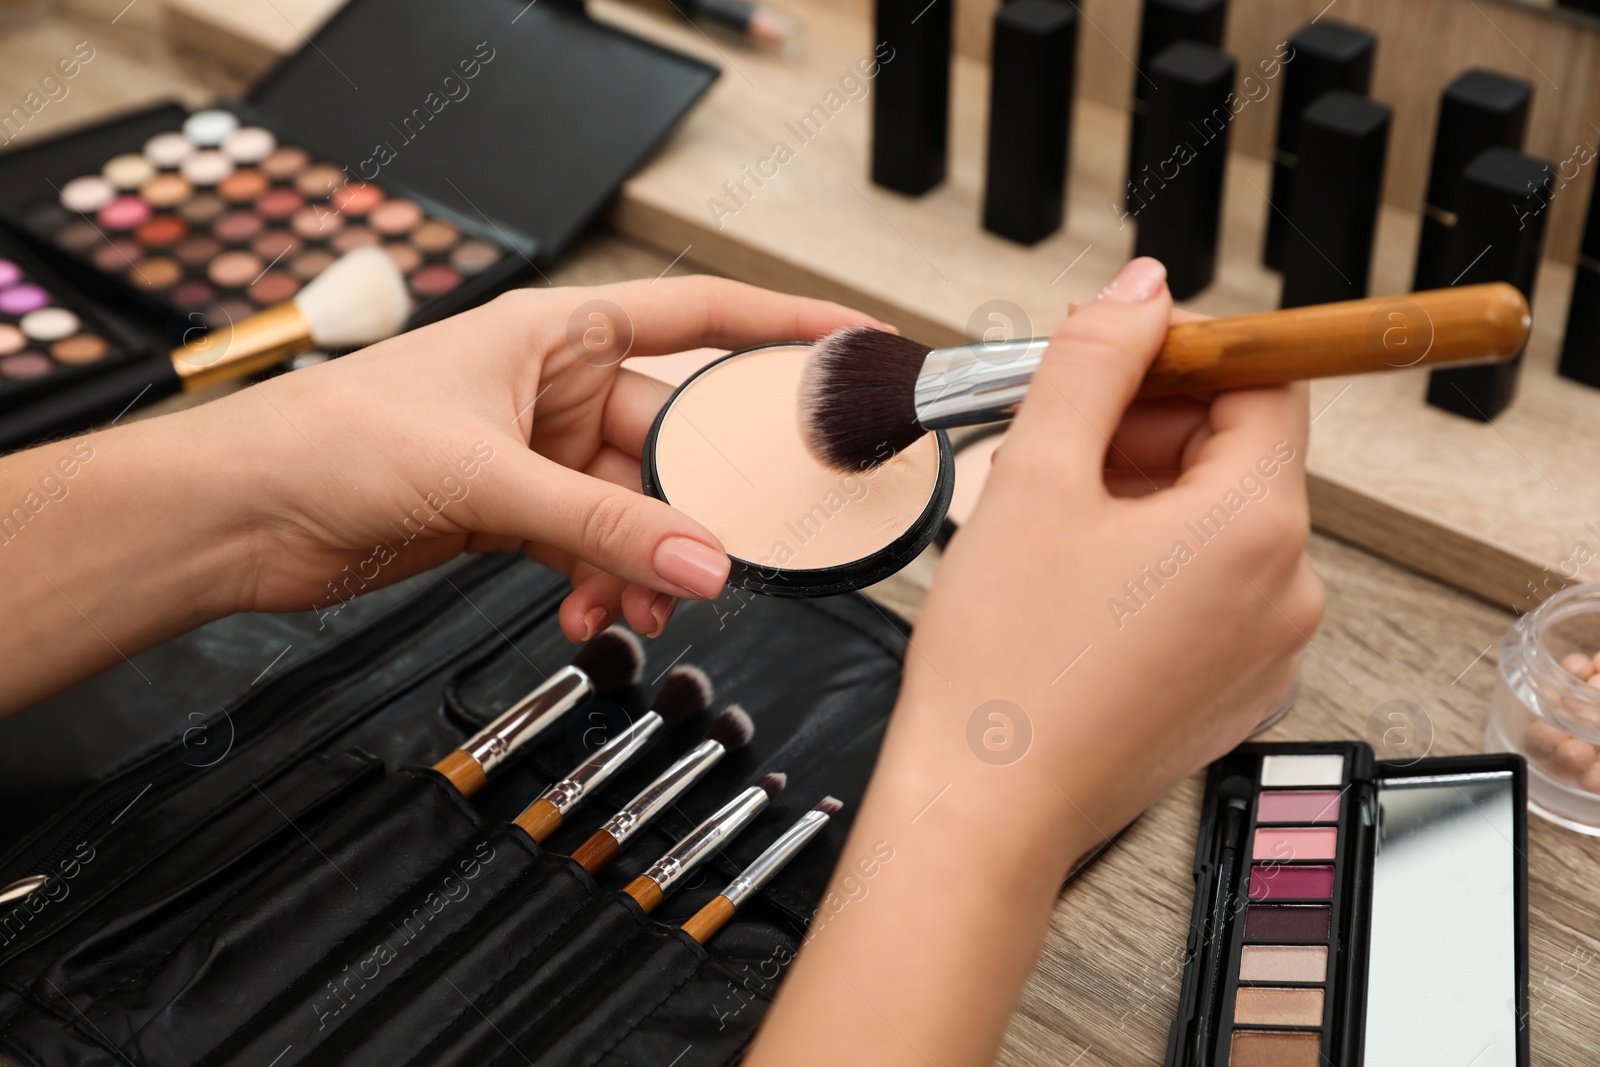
{"x": 726, "y": 449}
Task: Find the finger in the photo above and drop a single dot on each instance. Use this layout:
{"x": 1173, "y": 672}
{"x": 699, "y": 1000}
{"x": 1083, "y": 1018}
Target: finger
{"x": 1260, "y": 431}
{"x": 592, "y": 605}
{"x": 646, "y": 610}
{"x": 627, "y": 534}
{"x": 671, "y": 315}
{"x": 1092, "y": 369}
{"x": 631, "y": 408}
{"x": 617, "y": 467}
{"x": 1153, "y": 434}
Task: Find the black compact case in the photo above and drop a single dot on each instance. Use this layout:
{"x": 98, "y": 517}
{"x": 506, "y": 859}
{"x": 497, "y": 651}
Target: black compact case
{"x": 1361, "y": 868}
{"x": 521, "y": 154}
{"x": 285, "y": 881}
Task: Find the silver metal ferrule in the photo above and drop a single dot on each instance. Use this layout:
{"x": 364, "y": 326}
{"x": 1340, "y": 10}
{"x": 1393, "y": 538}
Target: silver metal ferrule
{"x": 770, "y": 862}
{"x": 606, "y": 761}
{"x": 969, "y": 384}
{"x": 704, "y": 839}
{"x": 23, "y": 887}
{"x": 528, "y": 717}
{"x": 674, "y": 781}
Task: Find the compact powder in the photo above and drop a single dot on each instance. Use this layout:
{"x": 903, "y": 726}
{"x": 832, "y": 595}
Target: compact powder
{"x": 1278, "y": 1007}
{"x": 1284, "y": 963}
{"x": 728, "y": 452}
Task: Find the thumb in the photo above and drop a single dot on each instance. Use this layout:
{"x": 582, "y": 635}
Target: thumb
{"x": 1096, "y": 360}
{"x": 618, "y": 530}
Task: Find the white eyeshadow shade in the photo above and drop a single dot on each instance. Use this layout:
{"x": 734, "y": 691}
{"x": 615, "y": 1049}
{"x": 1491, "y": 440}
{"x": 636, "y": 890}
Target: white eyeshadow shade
{"x": 1317, "y": 769}
{"x": 209, "y": 128}
{"x": 167, "y": 149}
{"x": 249, "y": 144}
{"x": 729, "y": 454}
{"x": 87, "y": 194}
{"x": 206, "y": 167}
{"x": 49, "y": 324}
{"x": 128, "y": 171}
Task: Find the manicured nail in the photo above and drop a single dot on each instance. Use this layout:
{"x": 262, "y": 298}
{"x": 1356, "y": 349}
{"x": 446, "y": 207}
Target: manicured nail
{"x": 594, "y": 620}
{"x": 698, "y": 569}
{"x": 661, "y": 610}
{"x": 1136, "y": 282}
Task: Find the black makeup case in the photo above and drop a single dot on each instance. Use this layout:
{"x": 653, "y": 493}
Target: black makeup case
{"x": 268, "y": 872}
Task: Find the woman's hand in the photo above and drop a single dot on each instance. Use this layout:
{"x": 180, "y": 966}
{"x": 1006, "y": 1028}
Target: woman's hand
{"x": 1126, "y": 603}
{"x": 510, "y": 427}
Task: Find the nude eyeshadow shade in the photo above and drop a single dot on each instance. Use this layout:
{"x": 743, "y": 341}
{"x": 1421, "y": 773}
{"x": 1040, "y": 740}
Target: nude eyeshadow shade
{"x": 727, "y": 450}
{"x": 44, "y": 340}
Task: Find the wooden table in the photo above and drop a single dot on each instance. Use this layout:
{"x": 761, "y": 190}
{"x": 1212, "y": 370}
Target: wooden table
{"x": 1106, "y": 983}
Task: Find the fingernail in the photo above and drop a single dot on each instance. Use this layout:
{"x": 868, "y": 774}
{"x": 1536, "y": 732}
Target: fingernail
{"x": 696, "y": 568}
{"x": 1137, "y": 281}
{"x": 661, "y": 610}
{"x": 594, "y": 620}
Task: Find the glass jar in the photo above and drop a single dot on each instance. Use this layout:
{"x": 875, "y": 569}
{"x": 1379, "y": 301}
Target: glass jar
{"x": 1547, "y": 706}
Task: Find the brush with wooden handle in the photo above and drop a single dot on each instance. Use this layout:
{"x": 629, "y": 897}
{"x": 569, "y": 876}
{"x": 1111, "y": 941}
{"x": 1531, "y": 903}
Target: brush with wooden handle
{"x": 865, "y": 389}
{"x": 651, "y": 887}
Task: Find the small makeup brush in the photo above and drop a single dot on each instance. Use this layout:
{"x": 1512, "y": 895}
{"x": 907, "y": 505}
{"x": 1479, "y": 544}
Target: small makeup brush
{"x": 610, "y": 661}
{"x": 732, "y": 730}
{"x": 359, "y": 299}
{"x": 705, "y": 923}
{"x": 867, "y": 394}
{"x": 686, "y": 692}
{"x": 651, "y": 887}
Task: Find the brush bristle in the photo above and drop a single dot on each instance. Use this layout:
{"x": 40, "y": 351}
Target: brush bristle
{"x": 733, "y": 728}
{"x": 772, "y": 784}
{"x": 858, "y": 397}
{"x": 358, "y": 300}
{"x": 613, "y": 659}
{"x": 686, "y": 691}
{"x": 830, "y": 806}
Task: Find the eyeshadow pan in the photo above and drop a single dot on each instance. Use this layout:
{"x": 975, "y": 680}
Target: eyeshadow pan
{"x": 156, "y": 273}
{"x": 473, "y": 257}
{"x": 1275, "y": 1048}
{"x": 10, "y": 274}
{"x": 272, "y": 245}
{"x": 21, "y": 299}
{"x": 49, "y": 324}
{"x": 201, "y": 209}
{"x": 210, "y": 127}
{"x": 1295, "y": 843}
{"x": 228, "y": 311}
{"x": 124, "y": 213}
{"x": 285, "y": 162}
{"x": 242, "y": 186}
{"x": 279, "y": 204}
{"x": 166, "y": 190}
{"x": 318, "y": 180}
{"x": 435, "y": 279}
{"x": 163, "y": 231}
{"x": 315, "y": 221}
{"x": 80, "y": 349}
{"x": 1315, "y": 769}
{"x": 1310, "y": 806}
{"x": 206, "y": 167}
{"x": 356, "y": 198}
{"x": 197, "y": 250}
{"x": 79, "y": 235}
{"x": 395, "y": 217}
{"x": 237, "y": 227}
{"x": 1290, "y": 922}
{"x": 26, "y": 365}
{"x": 435, "y": 236}
{"x": 249, "y": 144}
{"x": 233, "y": 269}
{"x": 406, "y": 256}
{"x": 353, "y": 237}
{"x": 116, "y": 255}
{"x": 274, "y": 287}
{"x": 128, "y": 171}
{"x": 168, "y": 149}
{"x": 1284, "y": 963}
{"x": 11, "y": 339}
{"x": 88, "y": 193}
{"x": 310, "y": 263}
{"x": 1276, "y": 881}
{"x": 191, "y": 294}
{"x": 1278, "y": 1007}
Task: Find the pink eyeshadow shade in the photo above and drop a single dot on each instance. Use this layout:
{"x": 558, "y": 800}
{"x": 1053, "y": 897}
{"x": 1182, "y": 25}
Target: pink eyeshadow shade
{"x": 1271, "y": 881}
{"x": 21, "y": 299}
{"x": 1314, "y": 806}
{"x": 124, "y": 213}
{"x": 25, "y": 365}
{"x": 1319, "y": 843}
{"x": 10, "y": 273}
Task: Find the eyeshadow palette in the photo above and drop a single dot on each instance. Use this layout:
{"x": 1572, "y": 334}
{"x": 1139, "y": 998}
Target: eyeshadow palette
{"x": 1351, "y": 912}
{"x": 213, "y": 219}
{"x": 47, "y": 335}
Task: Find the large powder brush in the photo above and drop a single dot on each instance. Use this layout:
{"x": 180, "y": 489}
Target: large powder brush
{"x": 869, "y": 394}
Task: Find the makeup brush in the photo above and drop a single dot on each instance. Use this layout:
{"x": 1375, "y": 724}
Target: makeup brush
{"x": 611, "y": 661}
{"x": 651, "y": 887}
{"x": 867, "y": 394}
{"x": 1234, "y": 794}
{"x": 686, "y": 692}
{"x": 705, "y": 923}
{"x": 732, "y": 730}
{"x": 359, "y": 299}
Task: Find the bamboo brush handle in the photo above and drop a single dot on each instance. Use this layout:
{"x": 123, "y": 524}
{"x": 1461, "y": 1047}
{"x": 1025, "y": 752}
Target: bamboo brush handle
{"x": 1470, "y": 323}
{"x": 540, "y": 819}
{"x": 464, "y": 772}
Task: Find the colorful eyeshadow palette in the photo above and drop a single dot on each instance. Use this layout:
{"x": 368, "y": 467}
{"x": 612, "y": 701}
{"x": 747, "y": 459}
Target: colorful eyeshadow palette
{"x": 1356, "y": 913}
{"x": 47, "y": 336}
{"x": 214, "y": 219}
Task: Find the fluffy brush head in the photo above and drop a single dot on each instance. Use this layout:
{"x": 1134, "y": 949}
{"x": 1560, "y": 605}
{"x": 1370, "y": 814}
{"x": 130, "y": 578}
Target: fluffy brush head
{"x": 356, "y": 301}
{"x": 772, "y": 784}
{"x": 858, "y": 397}
{"x": 830, "y": 806}
{"x": 686, "y": 692}
{"x": 733, "y": 728}
{"x": 613, "y": 659}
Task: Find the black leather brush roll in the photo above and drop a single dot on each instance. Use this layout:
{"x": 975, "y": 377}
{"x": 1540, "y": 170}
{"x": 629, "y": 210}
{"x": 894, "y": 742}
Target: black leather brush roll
{"x": 304, "y": 890}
